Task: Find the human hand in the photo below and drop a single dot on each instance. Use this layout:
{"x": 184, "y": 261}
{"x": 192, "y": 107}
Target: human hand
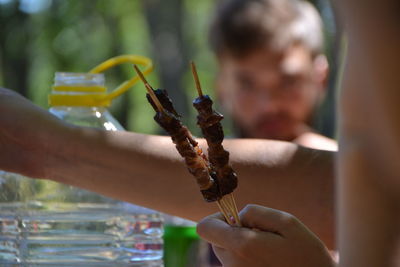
{"x": 268, "y": 238}
{"x": 26, "y": 132}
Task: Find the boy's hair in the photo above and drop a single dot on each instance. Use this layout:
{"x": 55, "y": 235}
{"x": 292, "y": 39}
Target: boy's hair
{"x": 242, "y": 26}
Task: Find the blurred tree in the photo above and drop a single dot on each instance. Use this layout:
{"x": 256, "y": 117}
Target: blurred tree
{"x": 165, "y": 20}
{"x": 14, "y": 47}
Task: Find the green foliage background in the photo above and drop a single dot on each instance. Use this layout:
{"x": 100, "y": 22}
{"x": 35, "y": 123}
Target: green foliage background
{"x": 76, "y": 35}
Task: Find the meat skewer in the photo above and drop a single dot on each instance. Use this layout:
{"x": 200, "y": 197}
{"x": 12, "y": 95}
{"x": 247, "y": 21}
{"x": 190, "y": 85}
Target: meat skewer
{"x": 188, "y": 148}
{"x": 209, "y": 121}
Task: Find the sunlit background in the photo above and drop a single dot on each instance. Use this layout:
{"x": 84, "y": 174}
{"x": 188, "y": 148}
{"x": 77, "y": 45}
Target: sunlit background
{"x": 40, "y": 37}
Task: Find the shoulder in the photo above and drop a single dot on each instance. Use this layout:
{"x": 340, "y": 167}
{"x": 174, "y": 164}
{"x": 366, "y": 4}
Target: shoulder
{"x": 316, "y": 141}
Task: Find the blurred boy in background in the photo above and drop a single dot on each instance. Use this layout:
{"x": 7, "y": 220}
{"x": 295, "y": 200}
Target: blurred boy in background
{"x": 272, "y": 70}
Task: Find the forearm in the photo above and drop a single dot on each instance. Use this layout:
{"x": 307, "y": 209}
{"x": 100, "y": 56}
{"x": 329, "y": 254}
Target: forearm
{"x": 355, "y": 14}
{"x": 369, "y": 149}
{"x": 369, "y": 216}
{"x": 371, "y": 80}
{"x": 147, "y": 170}
{"x": 137, "y": 168}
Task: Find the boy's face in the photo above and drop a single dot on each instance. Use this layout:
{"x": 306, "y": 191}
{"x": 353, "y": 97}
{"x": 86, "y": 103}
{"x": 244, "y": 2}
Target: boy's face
{"x": 270, "y": 94}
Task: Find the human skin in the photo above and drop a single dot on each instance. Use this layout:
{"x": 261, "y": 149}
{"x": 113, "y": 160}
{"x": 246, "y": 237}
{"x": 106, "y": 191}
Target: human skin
{"x": 147, "y": 170}
{"x": 267, "y": 237}
{"x": 273, "y": 93}
{"x": 369, "y": 172}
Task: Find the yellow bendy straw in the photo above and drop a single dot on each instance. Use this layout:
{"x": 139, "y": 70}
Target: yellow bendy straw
{"x": 97, "y": 95}
{"x": 134, "y": 59}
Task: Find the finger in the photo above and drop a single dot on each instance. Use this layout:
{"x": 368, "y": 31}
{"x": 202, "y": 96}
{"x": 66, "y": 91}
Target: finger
{"x": 267, "y": 219}
{"x": 216, "y": 231}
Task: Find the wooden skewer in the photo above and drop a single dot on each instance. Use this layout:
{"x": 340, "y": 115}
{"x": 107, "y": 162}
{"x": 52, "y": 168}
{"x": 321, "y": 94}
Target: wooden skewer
{"x": 223, "y": 210}
{"x": 235, "y": 212}
{"x": 234, "y": 203}
{"x": 141, "y": 76}
{"x": 228, "y": 207}
{"x": 154, "y": 98}
{"x": 196, "y": 78}
{"x": 149, "y": 89}
{"x": 227, "y": 212}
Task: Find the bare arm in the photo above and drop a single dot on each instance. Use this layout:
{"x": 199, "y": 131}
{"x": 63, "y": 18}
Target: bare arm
{"x": 370, "y": 128}
{"x": 147, "y": 170}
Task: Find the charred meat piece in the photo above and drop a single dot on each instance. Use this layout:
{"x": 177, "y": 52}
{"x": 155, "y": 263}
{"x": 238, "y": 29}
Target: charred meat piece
{"x": 166, "y": 102}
